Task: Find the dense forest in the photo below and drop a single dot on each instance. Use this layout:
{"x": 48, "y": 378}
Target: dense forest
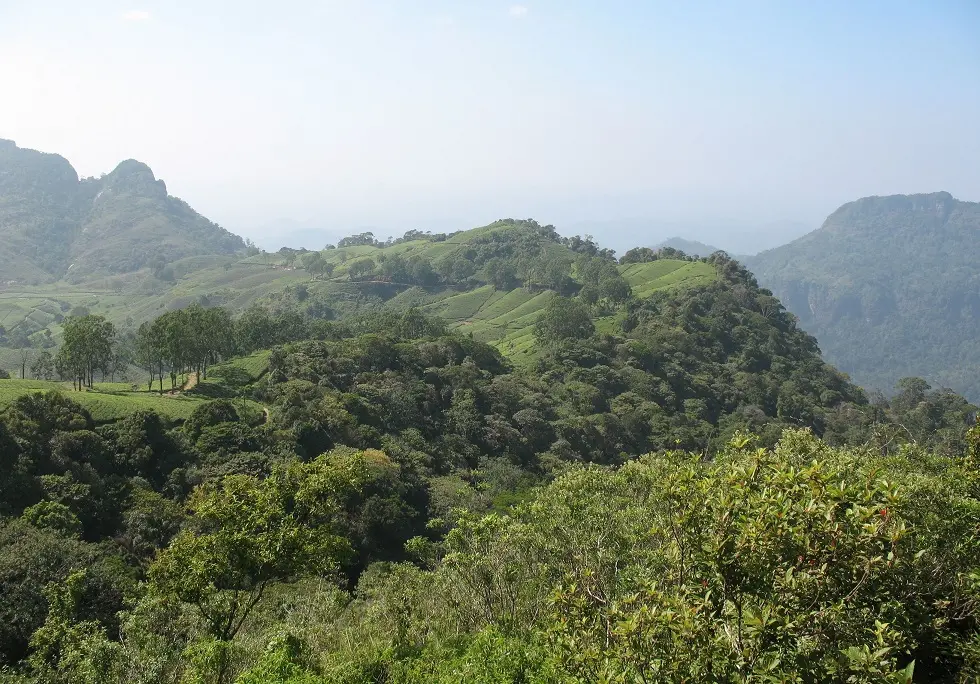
{"x": 669, "y": 487}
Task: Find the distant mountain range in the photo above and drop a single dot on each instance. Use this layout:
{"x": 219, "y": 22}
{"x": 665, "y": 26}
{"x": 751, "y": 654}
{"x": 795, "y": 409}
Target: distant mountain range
{"x": 890, "y": 287}
{"x": 689, "y": 247}
{"x": 54, "y": 225}
{"x": 733, "y": 237}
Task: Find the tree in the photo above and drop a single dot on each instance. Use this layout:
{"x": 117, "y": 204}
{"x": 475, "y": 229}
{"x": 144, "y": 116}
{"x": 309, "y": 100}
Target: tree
{"x": 67, "y": 647}
{"x": 149, "y": 353}
{"x": 171, "y": 331}
{"x": 564, "y": 319}
{"x": 43, "y": 366}
{"x": 255, "y": 329}
{"x": 555, "y": 275}
{"x": 52, "y": 515}
{"x": 360, "y": 267}
{"x": 639, "y": 255}
{"x": 247, "y": 533}
{"x": 501, "y": 274}
{"x": 360, "y": 239}
{"x": 615, "y": 289}
{"x": 210, "y": 336}
{"x": 25, "y": 358}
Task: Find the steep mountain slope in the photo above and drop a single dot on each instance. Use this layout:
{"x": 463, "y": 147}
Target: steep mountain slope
{"x": 53, "y": 225}
{"x": 38, "y": 207}
{"x": 890, "y": 286}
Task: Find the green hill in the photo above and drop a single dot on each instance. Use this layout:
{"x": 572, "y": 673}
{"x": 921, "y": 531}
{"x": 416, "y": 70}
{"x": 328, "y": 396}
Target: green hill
{"x": 54, "y": 225}
{"x": 491, "y": 281}
{"x": 890, "y": 286}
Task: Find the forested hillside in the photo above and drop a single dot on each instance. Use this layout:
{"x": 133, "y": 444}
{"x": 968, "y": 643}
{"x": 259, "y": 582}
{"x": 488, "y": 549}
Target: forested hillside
{"x": 53, "y": 225}
{"x": 664, "y": 482}
{"x": 890, "y": 287}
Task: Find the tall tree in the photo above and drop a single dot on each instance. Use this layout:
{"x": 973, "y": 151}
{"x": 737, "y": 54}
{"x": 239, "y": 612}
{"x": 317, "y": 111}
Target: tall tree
{"x": 149, "y": 353}
{"x": 360, "y": 267}
{"x": 564, "y": 319}
{"x": 25, "y": 358}
{"x": 43, "y": 366}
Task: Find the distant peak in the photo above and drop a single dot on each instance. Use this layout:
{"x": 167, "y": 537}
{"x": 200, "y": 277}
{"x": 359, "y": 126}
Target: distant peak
{"x": 939, "y": 203}
{"x": 133, "y": 167}
{"x": 135, "y": 176}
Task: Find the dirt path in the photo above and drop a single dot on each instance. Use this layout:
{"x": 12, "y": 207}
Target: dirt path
{"x": 189, "y": 384}
{"x": 192, "y": 380}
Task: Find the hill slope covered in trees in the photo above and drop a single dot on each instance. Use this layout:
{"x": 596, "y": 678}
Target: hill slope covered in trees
{"x": 369, "y": 478}
{"x": 54, "y": 225}
{"x": 890, "y": 286}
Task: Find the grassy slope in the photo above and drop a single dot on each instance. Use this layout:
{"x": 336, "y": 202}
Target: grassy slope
{"x": 107, "y": 401}
{"x": 110, "y": 401}
{"x": 657, "y": 275}
{"x": 506, "y": 319}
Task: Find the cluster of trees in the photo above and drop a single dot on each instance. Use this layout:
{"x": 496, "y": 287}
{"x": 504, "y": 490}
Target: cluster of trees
{"x": 183, "y": 340}
{"x": 85, "y": 509}
{"x": 27, "y": 334}
{"x": 643, "y": 255}
{"x": 508, "y": 254}
{"x": 367, "y": 238}
{"x": 180, "y": 341}
{"x": 86, "y": 347}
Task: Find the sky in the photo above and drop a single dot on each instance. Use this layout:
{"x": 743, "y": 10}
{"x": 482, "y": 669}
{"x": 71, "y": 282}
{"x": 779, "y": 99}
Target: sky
{"x": 336, "y": 114}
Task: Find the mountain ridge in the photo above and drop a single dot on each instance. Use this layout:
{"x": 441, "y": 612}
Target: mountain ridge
{"x": 55, "y": 225}
{"x": 890, "y": 287}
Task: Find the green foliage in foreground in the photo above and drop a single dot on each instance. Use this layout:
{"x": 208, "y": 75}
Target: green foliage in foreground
{"x": 804, "y": 563}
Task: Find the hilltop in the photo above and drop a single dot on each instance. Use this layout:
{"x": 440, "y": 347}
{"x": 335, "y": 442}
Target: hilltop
{"x": 55, "y": 226}
{"x": 890, "y": 287}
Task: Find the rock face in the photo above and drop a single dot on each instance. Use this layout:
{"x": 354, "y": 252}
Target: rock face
{"x": 53, "y": 225}
{"x": 890, "y": 286}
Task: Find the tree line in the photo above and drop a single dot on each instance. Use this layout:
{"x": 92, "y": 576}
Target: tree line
{"x": 178, "y": 342}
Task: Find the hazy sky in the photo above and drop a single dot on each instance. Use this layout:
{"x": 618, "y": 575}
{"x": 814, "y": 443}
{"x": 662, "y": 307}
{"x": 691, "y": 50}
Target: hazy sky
{"x": 390, "y": 113}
